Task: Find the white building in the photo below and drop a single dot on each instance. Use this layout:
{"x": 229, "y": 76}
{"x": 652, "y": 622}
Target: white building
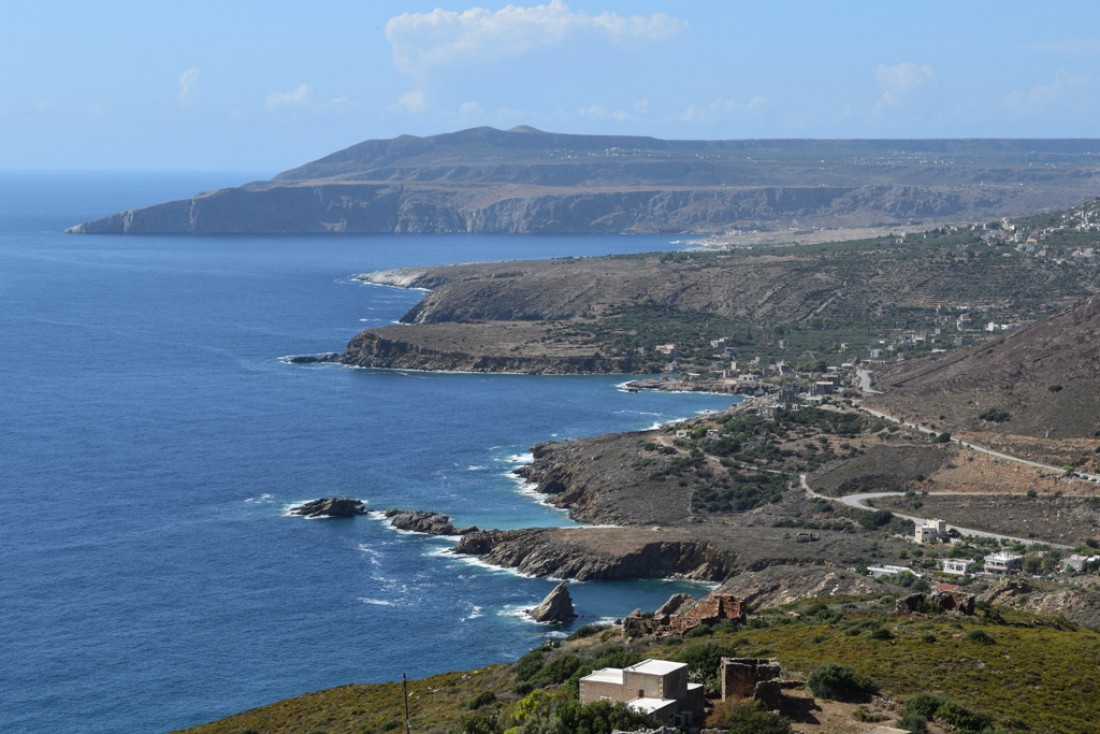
{"x": 929, "y": 531}
{"x": 888, "y": 570}
{"x": 1003, "y": 562}
{"x": 658, "y": 688}
{"x": 958, "y": 566}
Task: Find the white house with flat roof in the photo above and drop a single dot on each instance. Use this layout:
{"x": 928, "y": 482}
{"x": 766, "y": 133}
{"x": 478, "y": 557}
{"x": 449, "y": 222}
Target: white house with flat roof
{"x": 929, "y": 531}
{"x": 1003, "y": 562}
{"x": 659, "y": 688}
{"x": 958, "y": 566}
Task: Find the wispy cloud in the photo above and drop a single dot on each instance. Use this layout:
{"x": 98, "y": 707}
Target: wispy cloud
{"x": 300, "y": 97}
{"x": 1065, "y": 86}
{"x": 422, "y": 41}
{"x": 901, "y": 81}
{"x": 1068, "y": 46}
{"x": 189, "y": 88}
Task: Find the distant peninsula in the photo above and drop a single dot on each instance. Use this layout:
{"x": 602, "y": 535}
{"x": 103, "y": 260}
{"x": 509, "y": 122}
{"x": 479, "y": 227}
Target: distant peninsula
{"x": 528, "y": 181}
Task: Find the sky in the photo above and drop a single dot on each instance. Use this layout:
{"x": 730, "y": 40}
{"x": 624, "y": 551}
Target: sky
{"x": 239, "y": 85}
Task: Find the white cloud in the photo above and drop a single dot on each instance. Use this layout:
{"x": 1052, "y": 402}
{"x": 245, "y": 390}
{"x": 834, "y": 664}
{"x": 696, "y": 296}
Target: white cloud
{"x": 300, "y": 97}
{"x": 471, "y": 109}
{"x": 901, "y": 81}
{"x": 1064, "y": 86}
{"x": 188, "y": 92}
{"x": 422, "y": 41}
{"x": 412, "y": 101}
{"x": 722, "y": 108}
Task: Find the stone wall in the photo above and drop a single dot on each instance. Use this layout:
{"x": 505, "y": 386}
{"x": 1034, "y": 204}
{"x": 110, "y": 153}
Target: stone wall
{"x": 745, "y": 677}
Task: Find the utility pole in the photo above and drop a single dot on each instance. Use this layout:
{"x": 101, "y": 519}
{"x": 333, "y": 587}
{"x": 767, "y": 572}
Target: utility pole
{"x": 405, "y": 687}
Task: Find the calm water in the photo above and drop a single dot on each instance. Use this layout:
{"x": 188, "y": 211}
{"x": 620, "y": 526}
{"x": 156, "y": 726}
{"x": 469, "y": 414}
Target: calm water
{"x": 150, "y": 441}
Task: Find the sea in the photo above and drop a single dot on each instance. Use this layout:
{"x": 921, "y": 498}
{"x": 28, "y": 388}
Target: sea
{"x": 153, "y": 436}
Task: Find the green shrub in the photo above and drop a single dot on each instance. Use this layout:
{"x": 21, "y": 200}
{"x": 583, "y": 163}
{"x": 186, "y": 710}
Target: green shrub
{"x": 477, "y": 724}
{"x": 557, "y": 670}
{"x": 995, "y": 415}
{"x": 529, "y": 664}
{"x": 481, "y": 699}
{"x": 962, "y": 718}
{"x": 913, "y": 723}
{"x": 587, "y": 631}
{"x": 876, "y": 519}
{"x": 839, "y": 682}
{"x": 747, "y": 717}
{"x": 924, "y": 705}
{"x": 981, "y": 637}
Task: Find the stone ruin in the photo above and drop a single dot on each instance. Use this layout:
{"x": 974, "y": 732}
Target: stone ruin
{"x": 754, "y": 678}
{"x": 939, "y": 601}
{"x": 682, "y": 613}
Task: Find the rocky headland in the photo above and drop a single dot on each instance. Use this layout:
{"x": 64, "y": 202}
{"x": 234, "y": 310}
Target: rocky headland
{"x": 529, "y": 181}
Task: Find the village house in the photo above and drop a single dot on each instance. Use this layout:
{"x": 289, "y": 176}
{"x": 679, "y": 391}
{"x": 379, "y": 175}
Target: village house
{"x": 1074, "y": 562}
{"x": 658, "y": 688}
{"x": 1003, "y": 562}
{"x": 958, "y": 566}
{"x": 930, "y": 531}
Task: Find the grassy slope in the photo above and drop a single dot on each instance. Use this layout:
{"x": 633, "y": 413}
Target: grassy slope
{"x": 1034, "y": 673}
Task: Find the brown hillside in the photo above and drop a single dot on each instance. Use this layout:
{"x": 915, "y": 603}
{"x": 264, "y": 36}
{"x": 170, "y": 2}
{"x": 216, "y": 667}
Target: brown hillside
{"x": 1045, "y": 377}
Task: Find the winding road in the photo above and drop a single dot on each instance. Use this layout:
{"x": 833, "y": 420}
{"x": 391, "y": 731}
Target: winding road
{"x": 859, "y": 501}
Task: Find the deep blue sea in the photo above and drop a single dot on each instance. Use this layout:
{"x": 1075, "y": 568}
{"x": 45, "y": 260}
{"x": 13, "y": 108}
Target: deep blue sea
{"x": 151, "y": 440}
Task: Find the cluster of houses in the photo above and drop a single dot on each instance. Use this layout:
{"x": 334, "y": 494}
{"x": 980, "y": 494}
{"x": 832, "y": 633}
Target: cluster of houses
{"x": 999, "y": 563}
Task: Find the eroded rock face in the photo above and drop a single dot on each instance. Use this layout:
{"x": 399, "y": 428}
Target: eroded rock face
{"x": 582, "y": 555}
{"x": 431, "y": 523}
{"x": 330, "y": 507}
{"x": 556, "y": 608}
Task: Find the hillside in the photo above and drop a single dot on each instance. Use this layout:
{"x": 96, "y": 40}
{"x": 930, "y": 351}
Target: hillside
{"x": 613, "y": 314}
{"x": 528, "y": 181}
{"x": 1039, "y": 382}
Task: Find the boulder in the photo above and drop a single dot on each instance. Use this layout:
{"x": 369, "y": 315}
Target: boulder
{"x": 674, "y": 604}
{"x": 556, "y": 608}
{"x": 330, "y": 507}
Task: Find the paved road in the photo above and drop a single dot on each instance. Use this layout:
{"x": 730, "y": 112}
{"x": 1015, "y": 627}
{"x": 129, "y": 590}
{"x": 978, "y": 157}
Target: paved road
{"x": 859, "y": 501}
{"x": 981, "y": 449}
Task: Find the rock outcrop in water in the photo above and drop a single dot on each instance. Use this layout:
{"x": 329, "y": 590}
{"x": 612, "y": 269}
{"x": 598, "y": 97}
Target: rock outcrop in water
{"x": 330, "y": 507}
{"x": 429, "y": 523}
{"x": 556, "y": 608}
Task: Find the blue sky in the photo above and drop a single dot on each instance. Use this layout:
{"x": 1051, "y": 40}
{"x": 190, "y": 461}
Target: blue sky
{"x": 265, "y": 86}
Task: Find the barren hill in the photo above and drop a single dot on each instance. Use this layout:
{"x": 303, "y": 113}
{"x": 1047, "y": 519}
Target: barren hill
{"x": 1040, "y": 381}
{"x": 524, "y": 180}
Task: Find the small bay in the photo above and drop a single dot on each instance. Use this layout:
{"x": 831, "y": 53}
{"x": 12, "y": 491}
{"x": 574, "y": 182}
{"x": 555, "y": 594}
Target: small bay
{"x": 151, "y": 440}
